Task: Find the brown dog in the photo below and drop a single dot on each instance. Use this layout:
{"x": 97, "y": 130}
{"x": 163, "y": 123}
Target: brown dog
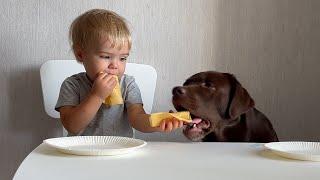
{"x": 221, "y": 109}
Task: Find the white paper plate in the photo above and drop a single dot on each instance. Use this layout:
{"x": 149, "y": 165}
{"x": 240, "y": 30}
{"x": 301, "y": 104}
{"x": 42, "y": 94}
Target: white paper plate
{"x": 309, "y": 151}
{"x": 95, "y": 145}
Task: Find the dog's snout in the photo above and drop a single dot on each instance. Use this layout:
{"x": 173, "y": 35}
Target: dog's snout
{"x": 178, "y": 91}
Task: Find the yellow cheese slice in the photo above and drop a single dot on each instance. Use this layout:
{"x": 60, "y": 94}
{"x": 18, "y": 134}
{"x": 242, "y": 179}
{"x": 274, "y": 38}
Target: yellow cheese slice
{"x": 115, "y": 97}
{"x": 156, "y": 118}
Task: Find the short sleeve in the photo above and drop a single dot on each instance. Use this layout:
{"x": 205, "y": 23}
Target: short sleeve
{"x": 133, "y": 95}
{"x": 69, "y": 94}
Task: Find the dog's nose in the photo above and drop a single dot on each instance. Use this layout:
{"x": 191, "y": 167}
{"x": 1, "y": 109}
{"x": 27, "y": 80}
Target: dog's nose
{"x": 178, "y": 91}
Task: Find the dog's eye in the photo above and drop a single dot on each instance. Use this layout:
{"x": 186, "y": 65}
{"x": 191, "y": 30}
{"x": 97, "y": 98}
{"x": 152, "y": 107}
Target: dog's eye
{"x": 208, "y": 84}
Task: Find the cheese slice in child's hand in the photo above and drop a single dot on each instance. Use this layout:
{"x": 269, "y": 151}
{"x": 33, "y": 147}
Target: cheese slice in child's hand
{"x": 115, "y": 97}
{"x": 156, "y": 118}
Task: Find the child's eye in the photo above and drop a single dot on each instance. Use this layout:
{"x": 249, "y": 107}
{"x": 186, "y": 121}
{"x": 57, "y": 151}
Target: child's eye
{"x": 123, "y": 58}
{"x": 105, "y": 57}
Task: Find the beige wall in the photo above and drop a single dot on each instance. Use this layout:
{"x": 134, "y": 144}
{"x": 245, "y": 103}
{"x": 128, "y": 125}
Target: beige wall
{"x": 272, "y": 46}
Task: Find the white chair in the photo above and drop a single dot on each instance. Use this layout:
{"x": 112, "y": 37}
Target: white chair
{"x": 54, "y": 72}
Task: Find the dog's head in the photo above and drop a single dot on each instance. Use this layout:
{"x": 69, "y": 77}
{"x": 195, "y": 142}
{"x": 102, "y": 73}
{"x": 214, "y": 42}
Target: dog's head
{"x": 211, "y": 97}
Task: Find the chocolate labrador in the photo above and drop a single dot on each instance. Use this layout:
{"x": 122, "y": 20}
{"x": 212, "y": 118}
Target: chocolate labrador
{"x": 221, "y": 109}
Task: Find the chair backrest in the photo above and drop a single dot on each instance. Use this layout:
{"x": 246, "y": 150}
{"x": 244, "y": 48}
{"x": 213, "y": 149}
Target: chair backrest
{"x": 54, "y": 72}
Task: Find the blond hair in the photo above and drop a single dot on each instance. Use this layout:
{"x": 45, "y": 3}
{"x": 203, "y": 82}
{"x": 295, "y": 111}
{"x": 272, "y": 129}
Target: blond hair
{"x": 95, "y": 24}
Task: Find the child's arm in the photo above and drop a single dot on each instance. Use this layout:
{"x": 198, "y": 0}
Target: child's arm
{"x": 76, "y": 118}
{"x": 140, "y": 121}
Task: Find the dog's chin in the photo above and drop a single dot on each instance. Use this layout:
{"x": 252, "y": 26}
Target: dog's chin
{"x": 193, "y": 135}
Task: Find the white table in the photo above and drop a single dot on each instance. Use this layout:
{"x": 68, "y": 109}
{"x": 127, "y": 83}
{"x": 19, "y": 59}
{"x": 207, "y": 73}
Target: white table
{"x": 164, "y": 160}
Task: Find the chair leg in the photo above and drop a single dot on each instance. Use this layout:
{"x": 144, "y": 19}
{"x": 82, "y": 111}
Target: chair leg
{"x": 64, "y": 132}
{"x": 134, "y": 133}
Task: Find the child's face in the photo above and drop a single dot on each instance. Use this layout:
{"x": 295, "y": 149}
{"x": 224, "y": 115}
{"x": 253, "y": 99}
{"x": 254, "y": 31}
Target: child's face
{"x": 102, "y": 57}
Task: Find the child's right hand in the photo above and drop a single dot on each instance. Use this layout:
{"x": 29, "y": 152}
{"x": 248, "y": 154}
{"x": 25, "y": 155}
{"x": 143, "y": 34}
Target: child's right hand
{"x": 103, "y": 85}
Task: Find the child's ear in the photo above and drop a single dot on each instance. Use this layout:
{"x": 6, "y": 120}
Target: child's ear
{"x": 79, "y": 53}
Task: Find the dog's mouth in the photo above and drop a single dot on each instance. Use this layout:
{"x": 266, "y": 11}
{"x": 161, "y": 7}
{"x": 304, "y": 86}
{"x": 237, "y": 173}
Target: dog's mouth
{"x": 198, "y": 124}
{"x": 197, "y": 129}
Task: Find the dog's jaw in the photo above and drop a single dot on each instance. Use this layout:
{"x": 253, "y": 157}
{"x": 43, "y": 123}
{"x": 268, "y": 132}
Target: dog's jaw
{"x": 197, "y": 131}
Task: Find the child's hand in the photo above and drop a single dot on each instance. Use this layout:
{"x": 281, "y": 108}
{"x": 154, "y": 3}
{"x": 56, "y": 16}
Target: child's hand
{"x": 170, "y": 124}
{"x": 103, "y": 85}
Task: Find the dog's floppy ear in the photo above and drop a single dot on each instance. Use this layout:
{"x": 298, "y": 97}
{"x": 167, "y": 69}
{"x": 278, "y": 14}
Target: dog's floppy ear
{"x": 239, "y": 99}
